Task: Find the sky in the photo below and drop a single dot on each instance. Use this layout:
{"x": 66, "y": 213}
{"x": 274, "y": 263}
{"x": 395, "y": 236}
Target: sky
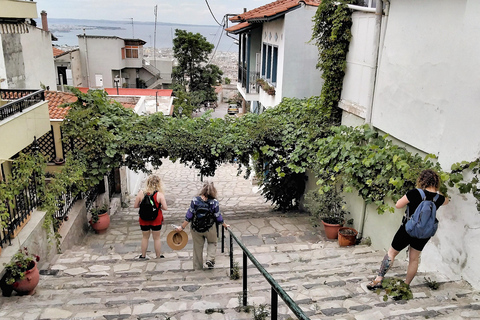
{"x": 171, "y": 11}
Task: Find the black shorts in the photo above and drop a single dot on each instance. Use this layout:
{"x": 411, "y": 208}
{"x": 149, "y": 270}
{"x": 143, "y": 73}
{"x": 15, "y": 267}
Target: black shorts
{"x": 402, "y": 239}
{"x": 153, "y": 228}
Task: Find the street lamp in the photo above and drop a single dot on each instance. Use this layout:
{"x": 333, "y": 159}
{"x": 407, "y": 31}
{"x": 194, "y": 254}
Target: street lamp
{"x": 117, "y": 81}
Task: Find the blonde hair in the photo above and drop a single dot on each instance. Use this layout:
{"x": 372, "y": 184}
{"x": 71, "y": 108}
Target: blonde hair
{"x": 154, "y": 183}
{"x": 208, "y": 190}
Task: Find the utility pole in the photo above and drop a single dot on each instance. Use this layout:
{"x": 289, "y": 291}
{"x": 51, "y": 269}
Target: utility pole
{"x": 133, "y": 30}
{"x": 155, "y": 38}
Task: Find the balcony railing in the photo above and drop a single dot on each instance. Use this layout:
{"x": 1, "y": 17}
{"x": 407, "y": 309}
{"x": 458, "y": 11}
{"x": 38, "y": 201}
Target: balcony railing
{"x": 21, "y": 99}
{"x": 248, "y": 79}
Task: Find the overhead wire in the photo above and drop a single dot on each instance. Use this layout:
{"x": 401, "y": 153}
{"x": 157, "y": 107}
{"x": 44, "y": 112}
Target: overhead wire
{"x": 213, "y": 15}
{"x": 218, "y": 43}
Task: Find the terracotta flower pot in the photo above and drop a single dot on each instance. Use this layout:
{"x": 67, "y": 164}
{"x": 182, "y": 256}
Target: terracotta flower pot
{"x": 331, "y": 230}
{"x": 347, "y": 236}
{"x": 102, "y": 224}
{"x": 27, "y": 285}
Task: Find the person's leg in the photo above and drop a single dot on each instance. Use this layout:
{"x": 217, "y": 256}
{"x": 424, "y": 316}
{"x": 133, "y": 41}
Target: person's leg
{"x": 198, "y": 242}
{"x": 144, "y": 246}
{"x": 387, "y": 262}
{"x": 156, "y": 243}
{"x": 413, "y": 260}
{"x": 211, "y": 236}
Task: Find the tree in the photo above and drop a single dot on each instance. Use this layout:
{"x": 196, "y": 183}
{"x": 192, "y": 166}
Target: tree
{"x": 197, "y": 77}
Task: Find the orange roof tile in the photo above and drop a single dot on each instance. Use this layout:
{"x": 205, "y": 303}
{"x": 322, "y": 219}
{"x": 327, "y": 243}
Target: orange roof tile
{"x": 55, "y": 100}
{"x": 57, "y": 52}
{"x": 272, "y": 9}
{"x": 135, "y": 92}
{"x": 237, "y": 27}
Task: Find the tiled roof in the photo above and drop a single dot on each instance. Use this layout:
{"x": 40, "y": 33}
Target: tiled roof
{"x": 57, "y": 52}
{"x": 58, "y": 98}
{"x": 55, "y": 100}
{"x": 237, "y": 27}
{"x": 272, "y": 9}
{"x": 135, "y": 92}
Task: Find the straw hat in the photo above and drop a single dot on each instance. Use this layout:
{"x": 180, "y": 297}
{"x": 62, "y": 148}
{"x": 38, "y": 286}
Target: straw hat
{"x": 177, "y": 240}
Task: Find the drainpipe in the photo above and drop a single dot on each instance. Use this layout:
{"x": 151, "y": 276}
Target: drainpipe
{"x": 368, "y": 116}
{"x": 378, "y": 29}
{"x": 86, "y": 58}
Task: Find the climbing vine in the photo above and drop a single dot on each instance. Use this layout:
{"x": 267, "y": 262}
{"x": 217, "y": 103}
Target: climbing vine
{"x": 332, "y": 34}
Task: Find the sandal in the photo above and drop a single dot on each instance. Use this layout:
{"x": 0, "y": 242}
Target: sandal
{"x": 375, "y": 284}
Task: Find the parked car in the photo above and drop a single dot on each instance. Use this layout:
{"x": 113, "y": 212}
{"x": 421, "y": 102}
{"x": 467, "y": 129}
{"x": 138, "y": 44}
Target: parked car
{"x": 232, "y": 109}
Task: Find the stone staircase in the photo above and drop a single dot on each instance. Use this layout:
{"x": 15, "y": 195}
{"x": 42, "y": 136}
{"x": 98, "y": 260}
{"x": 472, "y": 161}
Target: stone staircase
{"x": 102, "y": 279}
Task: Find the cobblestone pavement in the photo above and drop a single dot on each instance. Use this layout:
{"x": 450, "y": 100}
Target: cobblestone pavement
{"x": 102, "y": 279}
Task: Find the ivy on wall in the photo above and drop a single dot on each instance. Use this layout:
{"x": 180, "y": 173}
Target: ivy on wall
{"x": 284, "y": 142}
{"x": 332, "y": 34}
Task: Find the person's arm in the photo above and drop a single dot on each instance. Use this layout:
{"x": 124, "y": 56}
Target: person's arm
{"x": 402, "y": 202}
{"x": 162, "y": 201}
{"x": 188, "y": 217}
{"x": 447, "y": 200}
{"x": 138, "y": 199}
{"x": 219, "y": 216}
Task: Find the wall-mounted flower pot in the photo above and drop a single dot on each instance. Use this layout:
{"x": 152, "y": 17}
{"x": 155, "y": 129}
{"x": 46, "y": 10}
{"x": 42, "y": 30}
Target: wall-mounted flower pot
{"x": 347, "y": 236}
{"x": 331, "y": 230}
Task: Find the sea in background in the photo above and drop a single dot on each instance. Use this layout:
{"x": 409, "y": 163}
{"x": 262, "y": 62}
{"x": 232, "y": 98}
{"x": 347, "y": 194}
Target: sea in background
{"x": 66, "y": 30}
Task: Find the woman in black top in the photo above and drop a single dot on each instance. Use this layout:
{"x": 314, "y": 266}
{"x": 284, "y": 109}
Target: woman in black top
{"x": 429, "y": 181}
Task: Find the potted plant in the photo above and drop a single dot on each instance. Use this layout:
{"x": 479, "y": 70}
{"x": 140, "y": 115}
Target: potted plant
{"x": 59, "y": 161}
{"x": 328, "y": 207}
{"x": 100, "y": 219}
{"x": 21, "y": 274}
{"x": 347, "y": 236}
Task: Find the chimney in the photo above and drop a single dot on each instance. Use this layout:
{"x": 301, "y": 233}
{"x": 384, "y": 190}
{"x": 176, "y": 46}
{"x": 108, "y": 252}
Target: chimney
{"x": 44, "y": 20}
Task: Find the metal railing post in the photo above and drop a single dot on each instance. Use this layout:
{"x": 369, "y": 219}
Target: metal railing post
{"x": 244, "y": 279}
{"x": 274, "y": 304}
{"x": 231, "y": 255}
{"x": 276, "y": 288}
{"x": 223, "y": 239}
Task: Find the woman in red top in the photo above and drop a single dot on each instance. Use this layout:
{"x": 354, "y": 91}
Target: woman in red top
{"x": 152, "y": 227}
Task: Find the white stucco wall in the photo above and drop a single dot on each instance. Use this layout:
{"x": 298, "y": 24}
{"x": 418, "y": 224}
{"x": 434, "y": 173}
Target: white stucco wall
{"x": 38, "y": 59}
{"x": 3, "y": 70}
{"x": 300, "y": 77}
{"x": 273, "y": 33}
{"x": 426, "y": 98}
{"x": 104, "y": 55}
{"x": 360, "y": 72}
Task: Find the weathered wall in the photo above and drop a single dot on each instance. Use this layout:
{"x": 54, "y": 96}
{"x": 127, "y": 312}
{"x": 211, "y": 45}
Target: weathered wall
{"x": 13, "y": 59}
{"x": 300, "y": 77}
{"x": 38, "y": 59}
{"x": 426, "y": 99}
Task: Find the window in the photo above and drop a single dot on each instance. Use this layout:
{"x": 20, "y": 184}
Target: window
{"x": 264, "y": 54}
{"x": 269, "y": 63}
{"x": 366, "y": 3}
{"x": 130, "y": 52}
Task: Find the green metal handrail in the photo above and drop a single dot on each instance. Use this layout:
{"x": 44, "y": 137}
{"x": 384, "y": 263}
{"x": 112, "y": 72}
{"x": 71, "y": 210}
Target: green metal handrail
{"x": 276, "y": 291}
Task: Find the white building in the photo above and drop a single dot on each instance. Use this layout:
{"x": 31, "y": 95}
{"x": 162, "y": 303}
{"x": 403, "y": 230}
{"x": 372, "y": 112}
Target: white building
{"x": 26, "y": 58}
{"x": 421, "y": 89}
{"x": 274, "y": 46}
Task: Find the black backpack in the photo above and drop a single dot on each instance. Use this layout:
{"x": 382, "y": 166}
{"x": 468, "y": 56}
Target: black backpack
{"x": 148, "y": 210}
{"x": 203, "y": 218}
